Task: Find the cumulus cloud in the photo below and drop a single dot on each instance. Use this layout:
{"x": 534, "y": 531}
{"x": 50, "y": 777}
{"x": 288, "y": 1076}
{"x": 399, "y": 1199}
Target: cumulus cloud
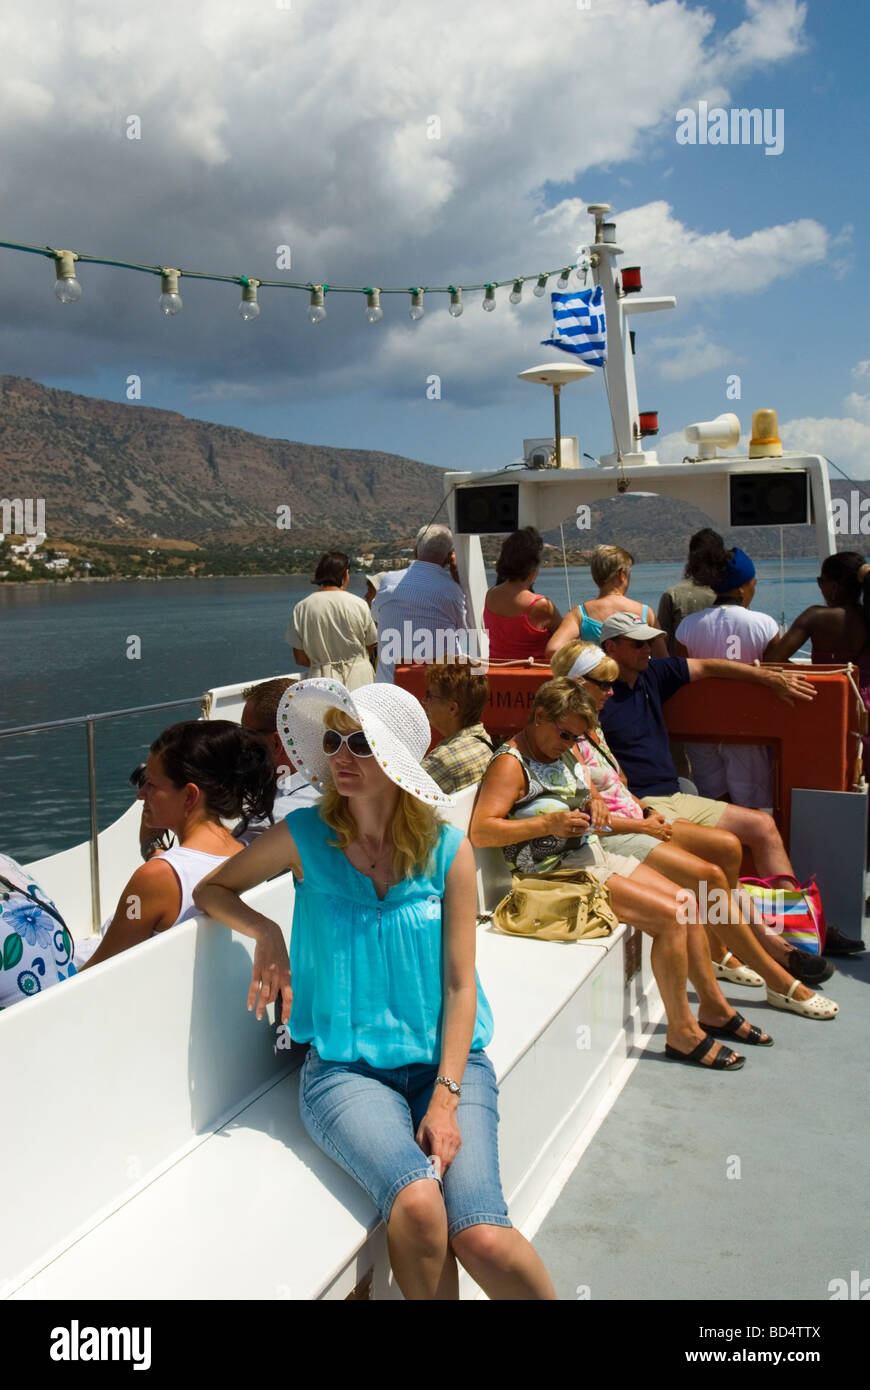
{"x": 313, "y": 126}
{"x": 844, "y": 441}
{"x": 716, "y": 263}
{"x": 693, "y": 354}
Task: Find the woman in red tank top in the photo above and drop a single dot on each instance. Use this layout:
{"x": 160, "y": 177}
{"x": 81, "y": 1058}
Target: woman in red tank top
{"x": 518, "y": 620}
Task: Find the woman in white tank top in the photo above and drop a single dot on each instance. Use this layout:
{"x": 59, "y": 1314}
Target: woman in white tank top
{"x": 198, "y": 773}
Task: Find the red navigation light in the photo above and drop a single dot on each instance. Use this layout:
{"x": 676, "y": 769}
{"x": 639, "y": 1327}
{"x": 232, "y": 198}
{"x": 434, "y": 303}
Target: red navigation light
{"x": 649, "y": 422}
{"x": 631, "y": 279}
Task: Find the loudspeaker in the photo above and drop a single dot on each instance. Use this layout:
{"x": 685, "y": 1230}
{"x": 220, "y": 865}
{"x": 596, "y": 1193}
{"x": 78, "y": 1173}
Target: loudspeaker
{"x": 487, "y": 510}
{"x": 769, "y": 499}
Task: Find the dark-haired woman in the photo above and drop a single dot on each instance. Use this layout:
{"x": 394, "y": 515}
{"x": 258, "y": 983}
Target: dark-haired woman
{"x": 739, "y": 772}
{"x": 688, "y": 596}
{"x": 198, "y": 773}
{"x": 839, "y": 631}
{"x": 332, "y": 632}
{"x": 518, "y": 620}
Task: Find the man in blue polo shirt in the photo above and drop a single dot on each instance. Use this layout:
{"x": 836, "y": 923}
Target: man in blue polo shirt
{"x": 634, "y": 724}
{"x": 635, "y": 727}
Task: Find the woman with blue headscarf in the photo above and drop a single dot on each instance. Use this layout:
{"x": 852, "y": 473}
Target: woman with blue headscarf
{"x": 739, "y": 772}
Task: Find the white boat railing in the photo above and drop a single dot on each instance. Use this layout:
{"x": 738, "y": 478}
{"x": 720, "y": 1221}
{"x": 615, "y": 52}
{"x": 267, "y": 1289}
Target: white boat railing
{"x": 89, "y": 723}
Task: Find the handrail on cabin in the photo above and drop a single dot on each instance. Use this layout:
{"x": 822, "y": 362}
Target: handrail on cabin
{"x": 90, "y": 721}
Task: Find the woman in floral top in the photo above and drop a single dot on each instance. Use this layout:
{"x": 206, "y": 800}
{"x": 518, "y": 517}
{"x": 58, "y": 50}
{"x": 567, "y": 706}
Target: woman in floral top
{"x": 687, "y": 854}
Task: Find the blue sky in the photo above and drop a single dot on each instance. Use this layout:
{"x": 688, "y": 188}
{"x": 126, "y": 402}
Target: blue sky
{"x": 309, "y": 126}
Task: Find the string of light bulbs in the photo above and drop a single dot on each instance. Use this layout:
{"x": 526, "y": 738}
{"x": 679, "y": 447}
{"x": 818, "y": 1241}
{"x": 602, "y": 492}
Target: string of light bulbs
{"x": 68, "y": 289}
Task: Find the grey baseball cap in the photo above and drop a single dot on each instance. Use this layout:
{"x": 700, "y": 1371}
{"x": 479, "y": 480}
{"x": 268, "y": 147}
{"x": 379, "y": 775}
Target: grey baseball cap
{"x": 627, "y": 625}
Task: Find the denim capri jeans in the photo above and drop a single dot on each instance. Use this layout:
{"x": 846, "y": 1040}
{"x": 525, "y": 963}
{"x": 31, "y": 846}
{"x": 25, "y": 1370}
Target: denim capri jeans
{"x": 365, "y": 1119}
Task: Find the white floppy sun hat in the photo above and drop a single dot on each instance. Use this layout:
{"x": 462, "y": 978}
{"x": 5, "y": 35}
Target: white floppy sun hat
{"x": 395, "y": 726}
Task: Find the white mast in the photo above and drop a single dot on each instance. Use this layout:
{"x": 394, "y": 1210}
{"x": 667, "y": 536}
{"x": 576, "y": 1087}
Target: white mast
{"x": 619, "y": 368}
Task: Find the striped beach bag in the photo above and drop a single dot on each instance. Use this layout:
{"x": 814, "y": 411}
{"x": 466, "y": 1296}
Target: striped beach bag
{"x": 793, "y": 913}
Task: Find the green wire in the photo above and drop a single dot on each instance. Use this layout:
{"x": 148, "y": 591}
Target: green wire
{"x": 49, "y": 252}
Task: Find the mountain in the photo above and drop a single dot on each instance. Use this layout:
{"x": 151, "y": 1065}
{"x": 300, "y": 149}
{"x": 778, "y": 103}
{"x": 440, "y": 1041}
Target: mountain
{"x": 129, "y": 472}
{"x": 110, "y": 471}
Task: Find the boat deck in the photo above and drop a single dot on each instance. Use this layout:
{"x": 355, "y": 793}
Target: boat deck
{"x": 651, "y": 1212}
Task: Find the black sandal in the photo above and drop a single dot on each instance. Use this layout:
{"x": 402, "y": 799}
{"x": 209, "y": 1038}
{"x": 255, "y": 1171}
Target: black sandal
{"x": 726, "y": 1060}
{"x": 728, "y": 1030}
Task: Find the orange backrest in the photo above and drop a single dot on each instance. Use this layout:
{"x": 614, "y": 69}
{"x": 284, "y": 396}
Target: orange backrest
{"x": 814, "y": 745}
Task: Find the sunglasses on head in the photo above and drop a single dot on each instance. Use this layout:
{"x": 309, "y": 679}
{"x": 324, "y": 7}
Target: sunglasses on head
{"x": 357, "y": 743}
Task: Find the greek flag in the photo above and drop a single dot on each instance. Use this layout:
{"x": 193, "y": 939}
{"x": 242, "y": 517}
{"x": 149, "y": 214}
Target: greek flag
{"x": 578, "y": 325}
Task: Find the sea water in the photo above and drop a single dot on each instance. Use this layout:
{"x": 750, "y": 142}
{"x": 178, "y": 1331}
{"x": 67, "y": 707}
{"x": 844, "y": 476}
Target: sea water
{"x": 68, "y": 649}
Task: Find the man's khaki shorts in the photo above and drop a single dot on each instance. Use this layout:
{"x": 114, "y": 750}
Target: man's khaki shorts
{"x": 700, "y": 810}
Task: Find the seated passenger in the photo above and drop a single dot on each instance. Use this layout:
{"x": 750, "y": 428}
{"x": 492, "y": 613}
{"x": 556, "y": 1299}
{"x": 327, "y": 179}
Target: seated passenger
{"x": 839, "y": 632}
{"x": 396, "y": 1087}
{"x": 36, "y": 947}
{"x": 701, "y": 858}
{"x": 518, "y": 620}
{"x": 610, "y": 568}
{"x": 685, "y": 597}
{"x": 198, "y": 773}
{"x": 540, "y": 767}
{"x": 635, "y": 727}
{"x": 292, "y": 789}
{"x": 739, "y": 772}
{"x": 454, "y": 701}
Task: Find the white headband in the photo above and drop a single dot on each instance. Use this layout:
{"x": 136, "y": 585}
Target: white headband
{"x": 586, "y": 662}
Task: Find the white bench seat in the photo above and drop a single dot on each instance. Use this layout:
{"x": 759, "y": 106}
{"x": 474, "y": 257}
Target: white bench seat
{"x": 255, "y": 1210}
{"x": 186, "y": 1170}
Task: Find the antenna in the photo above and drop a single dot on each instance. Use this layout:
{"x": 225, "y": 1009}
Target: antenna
{"x": 557, "y": 375}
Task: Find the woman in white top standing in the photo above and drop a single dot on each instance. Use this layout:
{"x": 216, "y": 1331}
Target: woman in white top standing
{"x": 738, "y": 772}
{"x": 198, "y": 774}
{"x": 332, "y": 632}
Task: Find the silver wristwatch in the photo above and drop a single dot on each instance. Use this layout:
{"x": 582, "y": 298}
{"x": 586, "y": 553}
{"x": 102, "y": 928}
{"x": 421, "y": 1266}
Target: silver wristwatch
{"x": 453, "y": 1086}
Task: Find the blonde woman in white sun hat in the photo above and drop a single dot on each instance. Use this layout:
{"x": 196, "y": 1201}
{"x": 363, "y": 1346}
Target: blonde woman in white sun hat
{"x": 396, "y": 1087}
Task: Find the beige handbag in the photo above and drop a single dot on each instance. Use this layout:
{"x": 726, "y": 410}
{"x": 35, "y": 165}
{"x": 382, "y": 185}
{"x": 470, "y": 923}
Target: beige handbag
{"x": 565, "y": 905}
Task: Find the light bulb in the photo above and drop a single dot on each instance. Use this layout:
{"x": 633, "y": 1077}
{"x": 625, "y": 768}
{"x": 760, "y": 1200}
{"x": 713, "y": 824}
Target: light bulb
{"x": 455, "y": 309}
{"x": 250, "y": 306}
{"x": 66, "y": 286}
{"x": 489, "y": 299}
{"x": 170, "y": 300}
{"x": 416, "y": 310}
{"x": 540, "y": 287}
{"x": 516, "y": 293}
{"x": 316, "y": 307}
{"x": 171, "y": 304}
{"x": 562, "y": 282}
{"x": 374, "y": 312}
{"x": 68, "y": 290}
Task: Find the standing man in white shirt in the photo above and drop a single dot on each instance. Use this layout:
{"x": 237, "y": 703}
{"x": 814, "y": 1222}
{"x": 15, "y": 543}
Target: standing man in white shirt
{"x": 422, "y": 618}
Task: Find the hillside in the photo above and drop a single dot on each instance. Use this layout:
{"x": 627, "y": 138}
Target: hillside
{"x": 111, "y": 471}
{"x": 125, "y": 473}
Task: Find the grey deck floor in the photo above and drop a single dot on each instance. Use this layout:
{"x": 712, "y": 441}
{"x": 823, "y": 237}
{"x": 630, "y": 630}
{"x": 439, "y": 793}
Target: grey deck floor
{"x": 650, "y": 1211}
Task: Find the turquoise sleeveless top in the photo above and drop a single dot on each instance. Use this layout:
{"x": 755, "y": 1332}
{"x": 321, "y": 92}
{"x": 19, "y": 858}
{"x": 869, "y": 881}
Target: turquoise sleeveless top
{"x": 368, "y": 973}
{"x": 590, "y": 628}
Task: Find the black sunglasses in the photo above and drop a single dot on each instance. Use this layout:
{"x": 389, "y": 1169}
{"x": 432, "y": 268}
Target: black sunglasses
{"x": 602, "y": 685}
{"x": 566, "y": 735}
{"x": 357, "y": 743}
